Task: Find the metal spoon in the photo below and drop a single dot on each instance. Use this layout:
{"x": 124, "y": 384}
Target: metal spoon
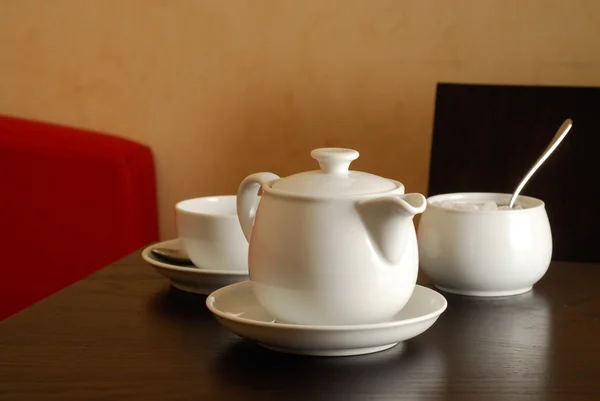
{"x": 170, "y": 255}
{"x": 558, "y": 137}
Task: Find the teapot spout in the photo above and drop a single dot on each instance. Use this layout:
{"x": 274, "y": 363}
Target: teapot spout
{"x": 388, "y": 221}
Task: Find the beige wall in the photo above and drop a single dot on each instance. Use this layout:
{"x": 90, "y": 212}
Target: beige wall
{"x": 220, "y": 89}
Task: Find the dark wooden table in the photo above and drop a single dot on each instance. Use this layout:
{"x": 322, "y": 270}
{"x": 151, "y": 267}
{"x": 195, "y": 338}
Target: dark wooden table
{"x": 124, "y": 334}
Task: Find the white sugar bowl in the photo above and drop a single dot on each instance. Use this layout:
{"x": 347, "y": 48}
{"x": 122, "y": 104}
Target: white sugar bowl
{"x": 470, "y": 246}
{"x": 331, "y": 246}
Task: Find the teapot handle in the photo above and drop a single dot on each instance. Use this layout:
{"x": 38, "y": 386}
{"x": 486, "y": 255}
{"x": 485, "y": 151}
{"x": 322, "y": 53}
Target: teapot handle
{"x": 247, "y": 199}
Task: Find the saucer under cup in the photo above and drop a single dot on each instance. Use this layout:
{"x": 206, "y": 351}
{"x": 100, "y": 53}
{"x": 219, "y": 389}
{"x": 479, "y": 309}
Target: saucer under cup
{"x": 469, "y": 246}
{"x": 190, "y": 278}
{"x": 210, "y": 233}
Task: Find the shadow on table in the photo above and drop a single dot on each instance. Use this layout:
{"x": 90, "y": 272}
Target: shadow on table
{"x": 174, "y": 304}
{"x": 502, "y": 343}
{"x": 412, "y": 370}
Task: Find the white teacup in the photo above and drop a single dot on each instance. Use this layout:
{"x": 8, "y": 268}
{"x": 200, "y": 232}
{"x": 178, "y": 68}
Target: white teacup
{"x": 479, "y": 251}
{"x": 210, "y": 233}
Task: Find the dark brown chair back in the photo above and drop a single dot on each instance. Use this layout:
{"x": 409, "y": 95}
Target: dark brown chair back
{"x": 486, "y": 137}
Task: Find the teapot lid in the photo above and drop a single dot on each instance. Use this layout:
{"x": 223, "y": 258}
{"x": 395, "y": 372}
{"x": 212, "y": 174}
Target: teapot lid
{"x": 334, "y": 178}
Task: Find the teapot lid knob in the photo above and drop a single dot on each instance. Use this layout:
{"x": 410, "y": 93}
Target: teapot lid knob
{"x": 334, "y": 160}
{"x": 334, "y": 179}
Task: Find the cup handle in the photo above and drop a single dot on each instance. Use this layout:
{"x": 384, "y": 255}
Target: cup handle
{"x": 247, "y": 199}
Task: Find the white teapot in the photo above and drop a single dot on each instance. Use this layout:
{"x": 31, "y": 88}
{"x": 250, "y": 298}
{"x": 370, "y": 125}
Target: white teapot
{"x": 331, "y": 246}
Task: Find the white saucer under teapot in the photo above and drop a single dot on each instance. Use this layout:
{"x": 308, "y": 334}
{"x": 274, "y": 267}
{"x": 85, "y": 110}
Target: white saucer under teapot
{"x": 236, "y": 308}
{"x": 331, "y": 246}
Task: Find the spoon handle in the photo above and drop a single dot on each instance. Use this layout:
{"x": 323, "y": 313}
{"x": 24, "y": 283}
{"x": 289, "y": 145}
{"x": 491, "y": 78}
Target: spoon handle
{"x": 558, "y": 137}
